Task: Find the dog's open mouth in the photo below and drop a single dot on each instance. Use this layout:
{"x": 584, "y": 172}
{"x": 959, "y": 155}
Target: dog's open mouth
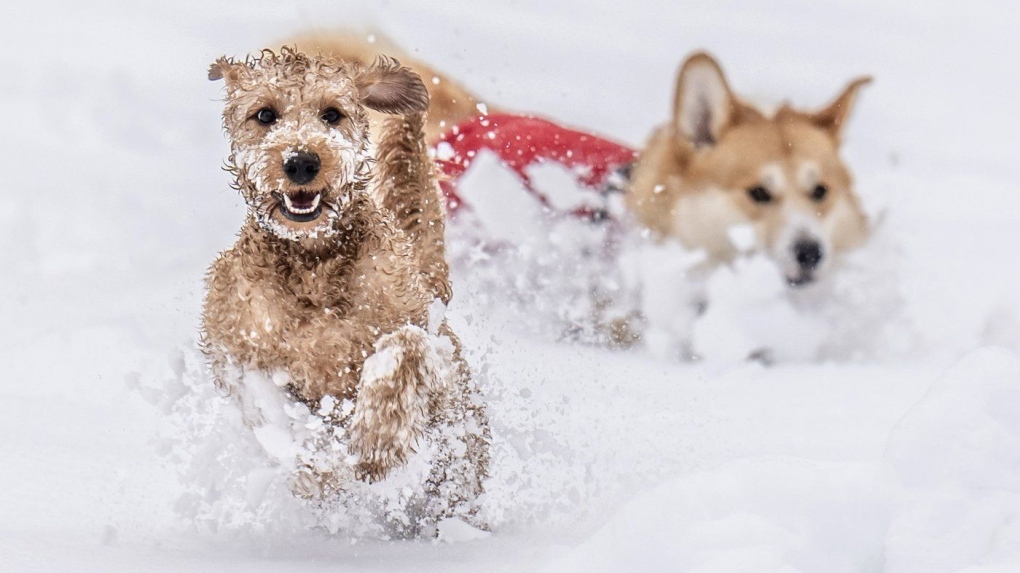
{"x": 300, "y": 207}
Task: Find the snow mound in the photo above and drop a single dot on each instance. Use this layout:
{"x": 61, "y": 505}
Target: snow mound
{"x": 945, "y": 499}
{"x": 956, "y": 456}
{"x": 751, "y": 515}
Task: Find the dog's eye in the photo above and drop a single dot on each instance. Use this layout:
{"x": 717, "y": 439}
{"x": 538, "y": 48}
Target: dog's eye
{"x": 332, "y": 116}
{"x": 819, "y": 192}
{"x": 759, "y": 194}
{"x": 265, "y": 116}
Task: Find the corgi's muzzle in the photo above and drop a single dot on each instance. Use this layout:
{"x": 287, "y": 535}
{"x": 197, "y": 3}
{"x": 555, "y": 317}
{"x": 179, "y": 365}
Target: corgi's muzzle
{"x": 809, "y": 254}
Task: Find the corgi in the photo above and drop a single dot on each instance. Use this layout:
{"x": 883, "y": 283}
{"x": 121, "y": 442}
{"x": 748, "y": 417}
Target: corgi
{"x": 720, "y": 163}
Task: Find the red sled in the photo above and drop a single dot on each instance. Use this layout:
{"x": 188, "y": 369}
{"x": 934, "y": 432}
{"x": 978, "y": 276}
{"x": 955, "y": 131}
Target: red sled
{"x": 521, "y": 141}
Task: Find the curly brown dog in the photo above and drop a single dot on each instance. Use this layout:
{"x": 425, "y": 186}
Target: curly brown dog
{"x": 340, "y": 259}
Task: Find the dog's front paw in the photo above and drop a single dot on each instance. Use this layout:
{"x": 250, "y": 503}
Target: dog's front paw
{"x": 374, "y": 465}
{"x": 379, "y": 449}
{"x": 392, "y": 405}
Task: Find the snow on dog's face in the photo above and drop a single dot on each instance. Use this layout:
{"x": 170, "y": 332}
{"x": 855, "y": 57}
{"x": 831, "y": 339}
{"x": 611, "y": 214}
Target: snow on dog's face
{"x": 299, "y": 134}
{"x": 721, "y": 163}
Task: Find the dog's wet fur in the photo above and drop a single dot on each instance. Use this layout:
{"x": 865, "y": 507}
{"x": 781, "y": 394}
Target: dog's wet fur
{"x": 341, "y": 256}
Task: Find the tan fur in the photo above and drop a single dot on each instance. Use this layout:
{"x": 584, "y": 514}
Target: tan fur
{"x": 316, "y": 300}
{"x": 692, "y": 179}
{"x": 451, "y": 103}
{"x": 409, "y": 190}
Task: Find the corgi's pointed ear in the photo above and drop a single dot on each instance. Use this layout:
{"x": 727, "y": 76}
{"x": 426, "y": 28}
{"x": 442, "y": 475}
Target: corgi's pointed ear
{"x": 834, "y": 116}
{"x": 704, "y": 105}
{"x": 388, "y": 87}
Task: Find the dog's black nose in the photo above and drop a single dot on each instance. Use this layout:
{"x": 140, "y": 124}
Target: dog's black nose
{"x": 302, "y": 167}
{"x": 808, "y": 254}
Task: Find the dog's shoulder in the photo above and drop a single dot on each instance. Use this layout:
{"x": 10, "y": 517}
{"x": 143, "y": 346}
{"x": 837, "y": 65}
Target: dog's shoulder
{"x": 386, "y": 267}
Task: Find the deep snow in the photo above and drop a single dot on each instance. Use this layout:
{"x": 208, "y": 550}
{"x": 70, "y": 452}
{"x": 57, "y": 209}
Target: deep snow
{"x": 899, "y": 456}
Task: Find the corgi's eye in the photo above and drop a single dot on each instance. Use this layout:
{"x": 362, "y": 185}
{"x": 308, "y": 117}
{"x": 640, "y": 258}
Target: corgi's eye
{"x": 265, "y": 116}
{"x": 759, "y": 194}
{"x": 819, "y": 192}
{"x": 332, "y": 116}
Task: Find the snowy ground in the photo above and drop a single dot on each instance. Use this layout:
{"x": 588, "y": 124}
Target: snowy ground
{"x": 900, "y": 461}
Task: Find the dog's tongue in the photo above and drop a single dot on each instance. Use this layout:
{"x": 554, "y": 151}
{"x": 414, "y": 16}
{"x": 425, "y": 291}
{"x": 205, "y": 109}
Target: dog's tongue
{"x": 302, "y": 200}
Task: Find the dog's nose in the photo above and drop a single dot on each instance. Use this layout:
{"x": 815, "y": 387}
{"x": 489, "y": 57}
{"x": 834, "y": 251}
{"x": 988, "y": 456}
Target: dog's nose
{"x": 302, "y": 167}
{"x": 808, "y": 254}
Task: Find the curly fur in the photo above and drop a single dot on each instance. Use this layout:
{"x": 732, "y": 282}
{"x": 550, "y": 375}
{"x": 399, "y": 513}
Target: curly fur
{"x": 451, "y": 103}
{"x": 410, "y": 191}
{"x": 338, "y": 305}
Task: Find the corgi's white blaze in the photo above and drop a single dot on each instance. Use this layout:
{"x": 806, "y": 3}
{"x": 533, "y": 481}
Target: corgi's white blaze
{"x": 807, "y": 175}
{"x": 773, "y": 178}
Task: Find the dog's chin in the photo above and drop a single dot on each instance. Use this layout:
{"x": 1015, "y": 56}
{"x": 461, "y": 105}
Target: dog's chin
{"x": 801, "y": 279}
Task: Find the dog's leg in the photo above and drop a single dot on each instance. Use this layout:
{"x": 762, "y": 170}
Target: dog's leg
{"x": 392, "y": 407}
{"x": 409, "y": 190}
{"x": 461, "y": 436}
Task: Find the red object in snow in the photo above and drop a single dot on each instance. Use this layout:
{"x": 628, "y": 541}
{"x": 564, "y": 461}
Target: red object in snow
{"x": 521, "y": 141}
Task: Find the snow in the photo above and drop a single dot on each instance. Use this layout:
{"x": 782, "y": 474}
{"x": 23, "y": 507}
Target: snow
{"x": 456, "y": 531}
{"x": 956, "y": 459}
{"x": 883, "y": 437}
{"x": 944, "y": 497}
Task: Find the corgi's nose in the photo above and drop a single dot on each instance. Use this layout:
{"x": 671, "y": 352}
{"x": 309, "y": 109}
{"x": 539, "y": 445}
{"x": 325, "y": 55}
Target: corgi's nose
{"x": 302, "y": 167}
{"x": 808, "y": 254}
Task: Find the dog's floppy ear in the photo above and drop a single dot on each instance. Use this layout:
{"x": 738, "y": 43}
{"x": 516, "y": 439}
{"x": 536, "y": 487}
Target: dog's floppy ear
{"x": 388, "y": 87}
{"x": 834, "y": 116}
{"x": 223, "y": 69}
{"x": 704, "y": 105}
